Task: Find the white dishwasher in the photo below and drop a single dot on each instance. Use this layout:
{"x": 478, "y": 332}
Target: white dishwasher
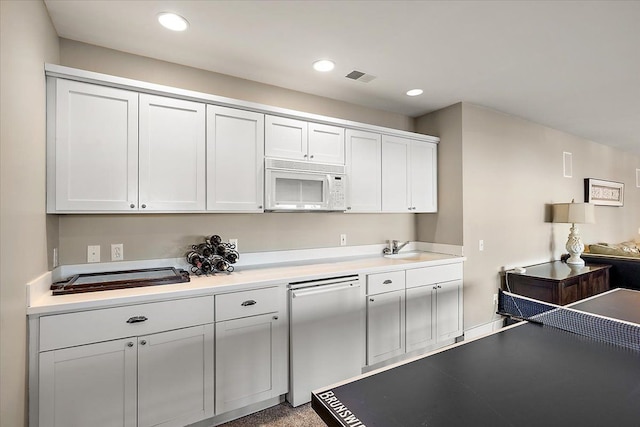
{"x": 327, "y": 329}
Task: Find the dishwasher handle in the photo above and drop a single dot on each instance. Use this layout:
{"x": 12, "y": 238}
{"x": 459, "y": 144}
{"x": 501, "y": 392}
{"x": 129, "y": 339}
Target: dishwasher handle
{"x": 316, "y": 290}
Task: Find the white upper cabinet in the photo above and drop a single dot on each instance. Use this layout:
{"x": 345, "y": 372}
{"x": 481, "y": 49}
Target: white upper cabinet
{"x": 326, "y": 144}
{"x": 235, "y": 153}
{"x": 423, "y": 167}
{"x": 112, "y": 150}
{"x": 409, "y": 175}
{"x": 298, "y": 140}
{"x": 92, "y": 134}
{"x": 285, "y": 138}
{"x": 364, "y": 169}
{"x": 395, "y": 177}
{"x": 172, "y": 154}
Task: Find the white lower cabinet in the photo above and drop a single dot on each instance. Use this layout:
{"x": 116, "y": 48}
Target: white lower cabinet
{"x": 251, "y": 347}
{"x": 421, "y": 309}
{"x": 146, "y": 377}
{"x": 420, "y": 323}
{"x": 89, "y": 385}
{"x": 175, "y": 377}
{"x": 385, "y": 326}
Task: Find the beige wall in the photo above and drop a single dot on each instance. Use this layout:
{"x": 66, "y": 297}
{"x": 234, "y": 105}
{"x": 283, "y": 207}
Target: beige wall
{"x": 121, "y": 64}
{"x": 446, "y": 226}
{"x": 170, "y": 236}
{"x": 512, "y": 171}
{"x": 27, "y": 41}
{"x": 166, "y": 236}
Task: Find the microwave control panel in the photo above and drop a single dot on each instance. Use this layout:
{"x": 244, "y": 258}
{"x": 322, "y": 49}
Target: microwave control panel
{"x": 338, "y": 194}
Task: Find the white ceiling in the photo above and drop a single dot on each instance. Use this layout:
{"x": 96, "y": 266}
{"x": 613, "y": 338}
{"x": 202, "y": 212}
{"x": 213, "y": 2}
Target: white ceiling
{"x": 573, "y": 66}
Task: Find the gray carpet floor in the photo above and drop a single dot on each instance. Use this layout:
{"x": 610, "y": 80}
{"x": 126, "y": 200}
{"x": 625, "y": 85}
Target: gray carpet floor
{"x": 282, "y": 415}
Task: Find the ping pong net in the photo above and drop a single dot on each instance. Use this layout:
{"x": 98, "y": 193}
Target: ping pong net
{"x": 601, "y": 328}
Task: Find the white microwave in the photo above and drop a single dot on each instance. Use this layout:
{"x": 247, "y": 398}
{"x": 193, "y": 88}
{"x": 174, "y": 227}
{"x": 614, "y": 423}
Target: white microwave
{"x": 304, "y": 186}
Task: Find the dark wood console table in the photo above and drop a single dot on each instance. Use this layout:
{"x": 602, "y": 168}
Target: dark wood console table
{"x": 558, "y": 283}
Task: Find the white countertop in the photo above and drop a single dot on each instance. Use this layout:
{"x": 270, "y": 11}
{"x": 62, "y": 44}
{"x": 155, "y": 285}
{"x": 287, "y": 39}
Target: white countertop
{"x": 44, "y": 302}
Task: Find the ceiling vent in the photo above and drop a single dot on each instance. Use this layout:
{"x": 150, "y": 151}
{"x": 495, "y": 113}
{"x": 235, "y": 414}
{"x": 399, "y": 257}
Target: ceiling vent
{"x": 360, "y": 76}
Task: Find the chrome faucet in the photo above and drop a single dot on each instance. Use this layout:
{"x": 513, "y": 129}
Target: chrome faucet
{"x": 394, "y": 248}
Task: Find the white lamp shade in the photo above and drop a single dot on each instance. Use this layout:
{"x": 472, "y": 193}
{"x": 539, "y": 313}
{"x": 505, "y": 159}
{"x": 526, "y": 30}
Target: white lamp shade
{"x": 574, "y": 213}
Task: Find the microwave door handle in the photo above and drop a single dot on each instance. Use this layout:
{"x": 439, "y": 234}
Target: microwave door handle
{"x": 330, "y": 186}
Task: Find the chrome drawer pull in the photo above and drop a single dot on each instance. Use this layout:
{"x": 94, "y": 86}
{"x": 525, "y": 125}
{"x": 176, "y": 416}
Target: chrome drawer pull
{"x": 387, "y": 282}
{"x": 137, "y": 319}
{"x": 248, "y": 302}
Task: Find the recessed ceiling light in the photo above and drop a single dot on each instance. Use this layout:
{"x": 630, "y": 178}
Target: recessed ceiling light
{"x": 172, "y": 21}
{"x": 324, "y": 65}
{"x": 414, "y": 92}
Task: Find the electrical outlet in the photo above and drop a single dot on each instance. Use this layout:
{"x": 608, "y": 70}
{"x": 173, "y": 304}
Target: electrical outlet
{"x": 481, "y": 245}
{"x": 495, "y": 299}
{"x": 234, "y": 242}
{"x": 117, "y": 252}
{"x": 93, "y": 253}
{"x": 343, "y": 240}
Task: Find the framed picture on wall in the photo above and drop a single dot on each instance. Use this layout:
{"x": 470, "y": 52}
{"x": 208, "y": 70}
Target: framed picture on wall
{"x": 604, "y": 193}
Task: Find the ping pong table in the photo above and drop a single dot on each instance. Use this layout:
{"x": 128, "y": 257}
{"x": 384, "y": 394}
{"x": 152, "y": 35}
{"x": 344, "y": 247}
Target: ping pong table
{"x": 527, "y": 374}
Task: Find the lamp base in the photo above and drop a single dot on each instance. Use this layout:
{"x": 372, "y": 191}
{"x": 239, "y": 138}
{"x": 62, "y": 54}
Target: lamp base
{"x": 575, "y": 247}
{"x": 575, "y": 260}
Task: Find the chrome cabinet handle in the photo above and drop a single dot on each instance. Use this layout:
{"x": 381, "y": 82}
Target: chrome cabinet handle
{"x": 260, "y": 207}
{"x": 311, "y": 156}
{"x": 132, "y": 206}
{"x": 137, "y": 319}
{"x": 248, "y": 302}
{"x": 275, "y": 317}
{"x": 371, "y": 299}
{"x": 143, "y": 342}
{"x": 144, "y": 206}
{"x": 387, "y": 282}
{"x": 129, "y": 344}
{"x": 305, "y": 156}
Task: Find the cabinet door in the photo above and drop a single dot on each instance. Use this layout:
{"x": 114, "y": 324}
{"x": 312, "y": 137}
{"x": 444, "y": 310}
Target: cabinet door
{"x": 175, "y": 377}
{"x": 95, "y": 161}
{"x": 89, "y": 385}
{"x": 172, "y": 154}
{"x": 449, "y": 310}
{"x": 395, "y": 175}
{"x": 285, "y": 138}
{"x": 326, "y": 144}
{"x": 421, "y": 328}
{"x": 235, "y": 160}
{"x": 251, "y": 360}
{"x": 364, "y": 171}
{"x": 423, "y": 169}
{"x": 385, "y": 326}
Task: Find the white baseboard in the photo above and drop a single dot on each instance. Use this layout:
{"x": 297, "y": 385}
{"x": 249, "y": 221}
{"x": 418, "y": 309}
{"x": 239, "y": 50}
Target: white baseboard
{"x": 480, "y": 330}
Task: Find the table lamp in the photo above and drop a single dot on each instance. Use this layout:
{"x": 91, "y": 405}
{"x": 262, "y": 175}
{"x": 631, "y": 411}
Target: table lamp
{"x": 574, "y": 213}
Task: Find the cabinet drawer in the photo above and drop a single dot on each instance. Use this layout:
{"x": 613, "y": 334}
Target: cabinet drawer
{"x": 435, "y": 274}
{"x": 83, "y": 327}
{"x": 246, "y": 303}
{"x": 385, "y": 282}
